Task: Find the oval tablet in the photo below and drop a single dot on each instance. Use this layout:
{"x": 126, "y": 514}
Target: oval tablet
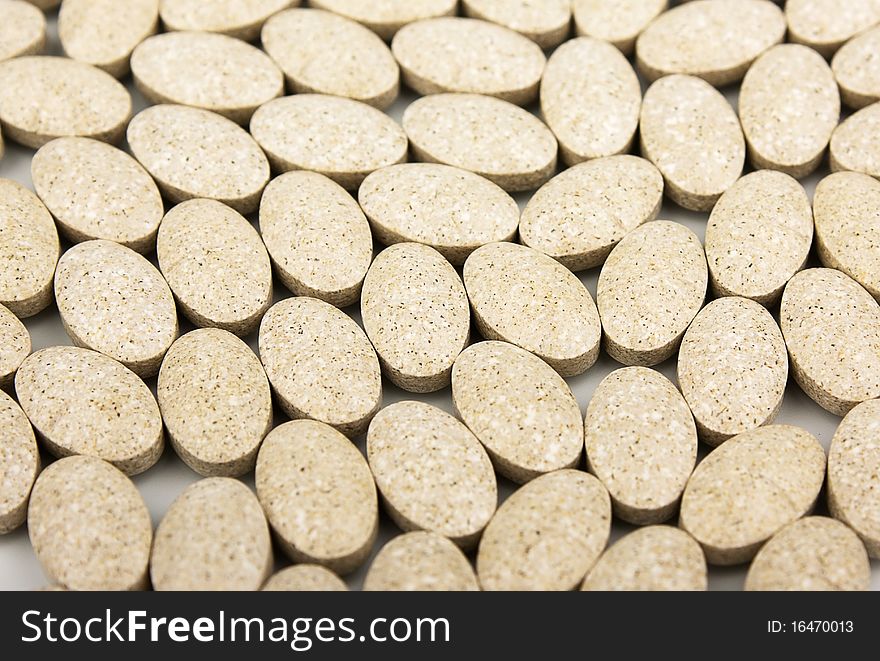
{"x": 590, "y": 99}
{"x": 213, "y": 537}
{"x": 215, "y": 402}
{"x": 857, "y": 69}
{"x": 237, "y": 18}
{"x": 326, "y": 134}
{"x": 96, "y": 191}
{"x": 453, "y": 211}
{"x": 386, "y": 17}
{"x": 583, "y": 212}
{"x": 193, "y": 153}
{"x": 789, "y": 106}
{"x": 831, "y": 327}
{"x": 433, "y": 474}
{"x": 420, "y": 562}
{"x": 89, "y": 526}
{"x": 521, "y": 296}
{"x": 114, "y": 301}
{"x": 470, "y": 56}
{"x": 318, "y": 494}
{"x": 415, "y": 312}
{"x": 732, "y": 368}
{"x": 19, "y": 464}
{"x": 815, "y": 553}
{"x": 546, "y": 22}
{"x": 693, "y": 136}
{"x": 209, "y": 71}
{"x": 519, "y": 408}
{"x": 759, "y": 235}
{"x": 641, "y": 443}
{"x": 650, "y": 289}
{"x": 105, "y": 32}
{"x": 491, "y": 137}
{"x": 43, "y": 98}
{"x": 547, "y": 535}
{"x": 216, "y": 265}
{"x": 15, "y": 345}
{"x": 853, "y": 470}
{"x": 305, "y": 578}
{"x": 825, "y": 25}
{"x": 652, "y": 559}
{"x": 29, "y": 250}
{"x": 714, "y": 40}
{"x": 84, "y": 403}
{"x": 855, "y": 144}
{"x": 306, "y": 44}
{"x": 320, "y": 364}
{"x": 317, "y": 236}
{"x": 22, "y": 30}
{"x": 749, "y": 488}
{"x": 619, "y": 22}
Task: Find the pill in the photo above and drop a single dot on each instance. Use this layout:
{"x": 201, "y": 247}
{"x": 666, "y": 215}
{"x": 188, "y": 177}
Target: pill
{"x": 194, "y": 153}
{"x": 19, "y": 464}
{"x": 547, "y": 535}
{"x": 590, "y": 99}
{"x": 732, "y": 368}
{"x": 216, "y": 265}
{"x": 213, "y": 537}
{"x": 321, "y": 364}
{"x": 317, "y": 236}
{"x": 452, "y": 54}
{"x": 546, "y": 22}
{"x": 789, "y": 107}
{"x": 693, "y": 136}
{"x": 847, "y": 213}
{"x": 652, "y": 559}
{"x": 489, "y": 136}
{"x": 853, "y": 464}
{"x": 326, "y": 134}
{"x": 43, "y": 98}
{"x": 15, "y": 345}
{"x": 619, "y": 22}
{"x": 432, "y": 472}
{"x": 29, "y": 250}
{"x": 452, "y": 210}
{"x": 89, "y": 526}
{"x": 857, "y": 69}
{"x": 242, "y": 19}
{"x": 855, "y": 144}
{"x": 524, "y": 297}
{"x": 641, "y": 443}
{"x": 84, "y": 403}
{"x": 815, "y": 553}
{"x": 306, "y": 44}
{"x": 305, "y": 578}
{"x": 519, "y": 408}
{"x": 96, "y": 191}
{"x": 318, "y": 494}
{"x": 759, "y": 235}
{"x": 825, "y": 25}
{"x": 420, "y": 562}
{"x": 22, "y": 30}
{"x": 114, "y": 301}
{"x": 650, "y": 289}
{"x": 209, "y": 71}
{"x": 716, "y": 40}
{"x": 103, "y": 33}
{"x": 749, "y": 488}
{"x": 215, "y": 402}
{"x": 831, "y": 327}
{"x": 386, "y": 17}
{"x": 415, "y": 312}
{"x": 582, "y": 213}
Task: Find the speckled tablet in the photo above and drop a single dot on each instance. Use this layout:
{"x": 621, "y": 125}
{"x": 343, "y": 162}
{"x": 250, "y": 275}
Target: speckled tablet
{"x": 420, "y": 562}
{"x": 22, "y": 29}
{"x": 15, "y": 345}
{"x": 857, "y": 69}
{"x": 825, "y": 25}
{"x": 19, "y": 464}
{"x": 619, "y": 22}
{"x": 546, "y": 22}
{"x": 242, "y": 19}
{"x": 305, "y": 578}
{"x": 855, "y": 144}
{"x": 386, "y": 17}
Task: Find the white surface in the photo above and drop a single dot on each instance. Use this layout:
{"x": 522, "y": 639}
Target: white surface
{"x": 160, "y": 485}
